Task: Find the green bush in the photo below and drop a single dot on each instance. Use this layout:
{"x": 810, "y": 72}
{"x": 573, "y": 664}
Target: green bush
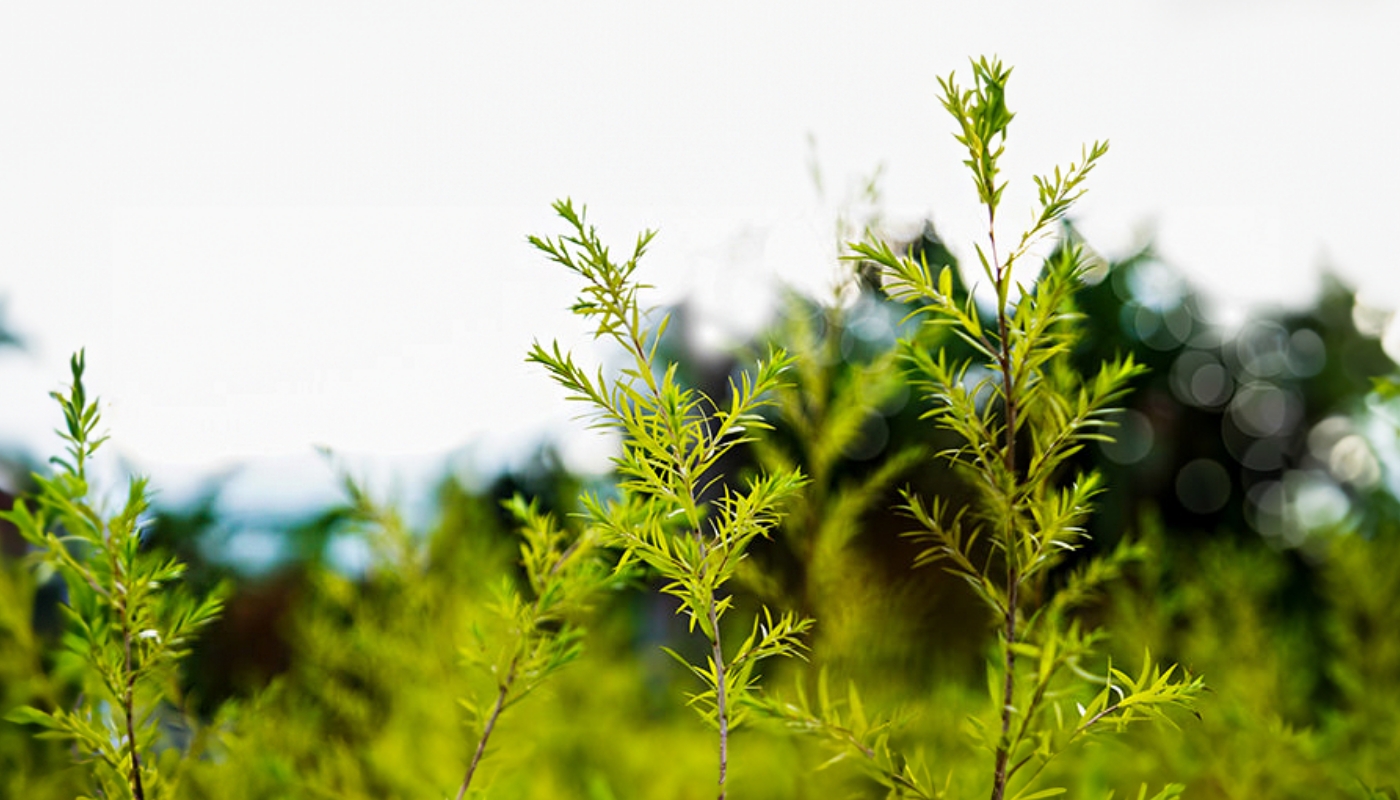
{"x": 546, "y": 643}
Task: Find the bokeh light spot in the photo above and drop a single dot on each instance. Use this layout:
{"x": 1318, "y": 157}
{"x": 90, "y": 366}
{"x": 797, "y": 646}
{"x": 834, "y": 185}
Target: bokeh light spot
{"x": 1155, "y": 285}
{"x": 1307, "y": 354}
{"x": 1199, "y": 379}
{"x": 1265, "y": 455}
{"x": 1352, "y": 461}
{"x": 1133, "y": 437}
{"x": 1369, "y": 320}
{"x": 1264, "y": 508}
{"x": 1263, "y": 409}
{"x": 1325, "y": 434}
{"x": 1262, "y": 349}
{"x": 1203, "y": 486}
{"x": 1210, "y": 385}
{"x": 1319, "y": 502}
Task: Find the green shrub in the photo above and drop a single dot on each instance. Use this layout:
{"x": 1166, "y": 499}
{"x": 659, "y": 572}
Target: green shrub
{"x": 130, "y": 622}
{"x": 743, "y": 526}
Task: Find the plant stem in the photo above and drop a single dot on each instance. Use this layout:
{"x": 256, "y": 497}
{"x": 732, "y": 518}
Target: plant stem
{"x": 121, "y": 602}
{"x": 504, "y": 689}
{"x": 895, "y": 778}
{"x": 639, "y": 352}
{"x": 128, "y": 706}
{"x": 486, "y": 732}
{"x": 1013, "y": 578}
{"x": 1008, "y": 692}
{"x": 721, "y": 700}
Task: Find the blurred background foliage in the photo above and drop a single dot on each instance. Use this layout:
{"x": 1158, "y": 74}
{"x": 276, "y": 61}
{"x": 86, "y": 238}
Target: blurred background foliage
{"x": 1257, "y": 461}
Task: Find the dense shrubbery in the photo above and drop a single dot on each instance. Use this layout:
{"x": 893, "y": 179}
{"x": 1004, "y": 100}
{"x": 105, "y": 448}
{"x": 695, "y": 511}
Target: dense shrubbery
{"x": 515, "y": 648}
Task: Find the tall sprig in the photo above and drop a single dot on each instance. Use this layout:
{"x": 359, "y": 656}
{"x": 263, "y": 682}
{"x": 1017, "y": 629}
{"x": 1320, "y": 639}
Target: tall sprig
{"x": 677, "y": 512}
{"x": 1022, "y": 415}
{"x": 564, "y": 572}
{"x": 130, "y": 618}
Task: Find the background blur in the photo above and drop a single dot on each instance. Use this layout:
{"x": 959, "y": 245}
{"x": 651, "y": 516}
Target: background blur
{"x": 278, "y": 227}
{"x": 275, "y": 228}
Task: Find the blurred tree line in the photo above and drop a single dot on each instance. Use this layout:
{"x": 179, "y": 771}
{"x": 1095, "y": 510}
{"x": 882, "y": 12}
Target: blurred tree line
{"x": 1255, "y": 460}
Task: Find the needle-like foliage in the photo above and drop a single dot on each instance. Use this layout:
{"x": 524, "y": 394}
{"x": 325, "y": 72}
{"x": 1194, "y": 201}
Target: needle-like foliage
{"x": 677, "y": 513}
{"x": 564, "y": 572}
{"x": 130, "y": 619}
{"x": 1022, "y": 413}
{"x": 540, "y": 623}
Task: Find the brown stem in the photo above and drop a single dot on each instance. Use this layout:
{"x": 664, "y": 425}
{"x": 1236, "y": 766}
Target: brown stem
{"x": 1008, "y": 690}
{"x": 1013, "y": 577}
{"x": 507, "y": 684}
{"x": 721, "y": 699}
{"x": 121, "y": 599}
{"x": 1008, "y": 381}
{"x": 128, "y": 707}
{"x": 1094, "y": 719}
{"x": 486, "y": 732}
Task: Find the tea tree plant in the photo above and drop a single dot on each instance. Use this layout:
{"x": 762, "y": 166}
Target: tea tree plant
{"x": 676, "y": 513}
{"x": 540, "y": 630}
{"x": 1022, "y": 415}
{"x": 564, "y": 574}
{"x": 130, "y": 619}
{"x": 845, "y": 726}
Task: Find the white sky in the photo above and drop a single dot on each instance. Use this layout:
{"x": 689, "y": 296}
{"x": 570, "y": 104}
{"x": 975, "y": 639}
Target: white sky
{"x": 279, "y": 224}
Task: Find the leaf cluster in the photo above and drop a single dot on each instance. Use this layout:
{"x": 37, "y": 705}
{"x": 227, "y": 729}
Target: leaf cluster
{"x": 130, "y": 619}
{"x": 1022, "y": 413}
{"x": 678, "y": 513}
{"x": 847, "y": 728}
{"x": 535, "y": 626}
{"x": 564, "y": 574}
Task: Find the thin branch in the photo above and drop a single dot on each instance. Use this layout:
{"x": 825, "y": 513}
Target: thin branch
{"x": 138, "y": 791}
{"x": 1008, "y": 692}
{"x": 721, "y": 698}
{"x": 490, "y": 726}
{"x": 1013, "y": 578}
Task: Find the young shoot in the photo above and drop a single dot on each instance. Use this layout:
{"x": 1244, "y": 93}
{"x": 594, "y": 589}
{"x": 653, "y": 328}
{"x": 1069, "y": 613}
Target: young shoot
{"x": 130, "y": 619}
{"x": 1021, "y": 426}
{"x": 677, "y": 513}
{"x": 565, "y": 573}
{"x": 541, "y": 627}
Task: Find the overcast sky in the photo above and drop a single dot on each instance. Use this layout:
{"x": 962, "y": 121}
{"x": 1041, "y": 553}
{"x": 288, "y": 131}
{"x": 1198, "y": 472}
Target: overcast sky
{"x": 274, "y": 225}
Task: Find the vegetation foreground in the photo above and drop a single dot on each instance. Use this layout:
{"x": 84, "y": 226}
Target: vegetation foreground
{"x": 969, "y": 606}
